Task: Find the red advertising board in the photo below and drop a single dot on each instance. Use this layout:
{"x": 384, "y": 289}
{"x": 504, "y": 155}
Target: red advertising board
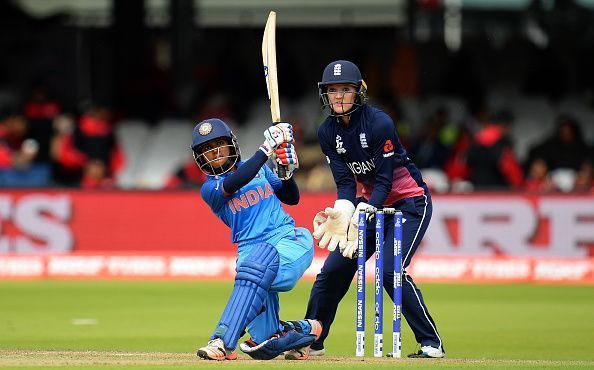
{"x": 65, "y": 221}
{"x": 465, "y": 231}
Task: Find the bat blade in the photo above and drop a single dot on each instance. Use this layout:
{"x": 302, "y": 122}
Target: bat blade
{"x": 269, "y": 61}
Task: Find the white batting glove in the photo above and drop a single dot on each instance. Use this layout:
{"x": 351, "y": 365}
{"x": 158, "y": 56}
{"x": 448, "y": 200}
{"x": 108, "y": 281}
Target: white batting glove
{"x": 331, "y": 226}
{"x": 349, "y": 249}
{"x": 287, "y": 156}
{"x": 286, "y": 160}
{"x": 275, "y": 136}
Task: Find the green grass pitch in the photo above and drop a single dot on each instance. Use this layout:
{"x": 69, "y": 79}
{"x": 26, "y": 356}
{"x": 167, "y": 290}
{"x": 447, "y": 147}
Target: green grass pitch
{"x": 159, "y": 325}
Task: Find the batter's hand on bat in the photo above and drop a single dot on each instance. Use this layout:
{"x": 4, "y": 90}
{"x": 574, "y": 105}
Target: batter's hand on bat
{"x": 276, "y": 135}
{"x": 286, "y": 155}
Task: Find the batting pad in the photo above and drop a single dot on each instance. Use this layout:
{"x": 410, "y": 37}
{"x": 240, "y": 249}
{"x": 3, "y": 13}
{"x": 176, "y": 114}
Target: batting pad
{"x": 252, "y": 282}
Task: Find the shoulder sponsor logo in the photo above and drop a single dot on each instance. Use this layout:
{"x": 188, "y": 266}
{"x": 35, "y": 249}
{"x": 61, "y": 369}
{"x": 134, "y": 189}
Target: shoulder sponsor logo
{"x": 339, "y": 144}
{"x": 388, "y": 149}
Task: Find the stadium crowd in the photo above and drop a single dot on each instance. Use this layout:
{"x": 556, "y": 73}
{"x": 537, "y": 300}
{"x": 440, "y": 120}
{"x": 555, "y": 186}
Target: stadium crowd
{"x": 50, "y": 136}
{"x": 41, "y": 145}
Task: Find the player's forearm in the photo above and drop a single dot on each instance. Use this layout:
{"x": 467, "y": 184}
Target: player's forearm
{"x": 348, "y": 192}
{"x": 245, "y": 173}
{"x": 346, "y": 187}
{"x": 383, "y": 183}
{"x": 379, "y": 195}
{"x": 289, "y": 192}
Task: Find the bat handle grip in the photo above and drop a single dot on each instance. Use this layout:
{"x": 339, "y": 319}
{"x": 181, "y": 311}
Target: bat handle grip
{"x": 281, "y": 171}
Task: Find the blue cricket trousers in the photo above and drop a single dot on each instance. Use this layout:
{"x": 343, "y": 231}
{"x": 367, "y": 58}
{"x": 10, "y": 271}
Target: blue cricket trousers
{"x": 336, "y": 275}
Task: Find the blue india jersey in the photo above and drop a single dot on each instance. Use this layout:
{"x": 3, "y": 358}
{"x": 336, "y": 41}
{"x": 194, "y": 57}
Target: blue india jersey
{"x": 253, "y": 213}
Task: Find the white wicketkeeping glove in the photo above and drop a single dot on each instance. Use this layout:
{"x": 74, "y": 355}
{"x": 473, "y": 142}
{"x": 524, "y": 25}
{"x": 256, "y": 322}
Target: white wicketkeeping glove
{"x": 275, "y": 136}
{"x": 332, "y": 224}
{"x": 349, "y": 249}
{"x": 361, "y": 206}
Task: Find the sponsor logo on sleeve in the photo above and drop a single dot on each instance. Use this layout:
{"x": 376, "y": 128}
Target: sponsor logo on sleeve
{"x": 388, "y": 149}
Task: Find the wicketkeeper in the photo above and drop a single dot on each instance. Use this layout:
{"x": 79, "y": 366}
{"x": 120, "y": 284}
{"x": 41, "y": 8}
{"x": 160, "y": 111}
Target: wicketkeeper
{"x": 362, "y": 147}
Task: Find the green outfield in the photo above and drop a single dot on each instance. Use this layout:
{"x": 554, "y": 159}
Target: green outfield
{"x": 138, "y": 324}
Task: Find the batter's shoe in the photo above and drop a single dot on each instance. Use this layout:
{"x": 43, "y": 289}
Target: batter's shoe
{"x": 215, "y": 350}
{"x": 317, "y": 352}
{"x": 428, "y": 352}
{"x": 303, "y": 353}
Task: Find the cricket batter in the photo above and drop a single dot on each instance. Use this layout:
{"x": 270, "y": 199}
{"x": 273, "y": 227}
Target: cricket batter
{"x": 362, "y": 147}
{"x": 272, "y": 253}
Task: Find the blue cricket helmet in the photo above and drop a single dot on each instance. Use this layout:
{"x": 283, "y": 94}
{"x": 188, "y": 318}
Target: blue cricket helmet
{"x": 342, "y": 72}
{"x": 207, "y": 131}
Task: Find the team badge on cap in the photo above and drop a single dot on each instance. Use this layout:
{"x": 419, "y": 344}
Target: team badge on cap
{"x": 205, "y": 129}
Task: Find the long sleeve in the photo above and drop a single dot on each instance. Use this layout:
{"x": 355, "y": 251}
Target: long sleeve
{"x": 245, "y": 173}
{"x": 289, "y": 192}
{"x": 346, "y": 187}
{"x": 383, "y": 149}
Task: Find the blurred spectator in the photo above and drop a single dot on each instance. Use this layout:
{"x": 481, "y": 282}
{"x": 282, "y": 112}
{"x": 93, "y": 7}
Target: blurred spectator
{"x": 491, "y": 159}
{"x": 189, "y": 175}
{"x": 429, "y": 151}
{"x": 18, "y": 150}
{"x": 585, "y": 178}
{"x": 68, "y": 160}
{"x": 95, "y": 176}
{"x": 566, "y": 148}
{"x": 95, "y": 134}
{"x": 456, "y": 167}
{"x": 40, "y": 112}
{"x": 18, "y": 153}
{"x": 73, "y": 147}
{"x": 95, "y": 137}
{"x": 538, "y": 179}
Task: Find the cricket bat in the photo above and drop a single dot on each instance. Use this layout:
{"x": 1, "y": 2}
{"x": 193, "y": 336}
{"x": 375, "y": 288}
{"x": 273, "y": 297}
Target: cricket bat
{"x": 269, "y": 61}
